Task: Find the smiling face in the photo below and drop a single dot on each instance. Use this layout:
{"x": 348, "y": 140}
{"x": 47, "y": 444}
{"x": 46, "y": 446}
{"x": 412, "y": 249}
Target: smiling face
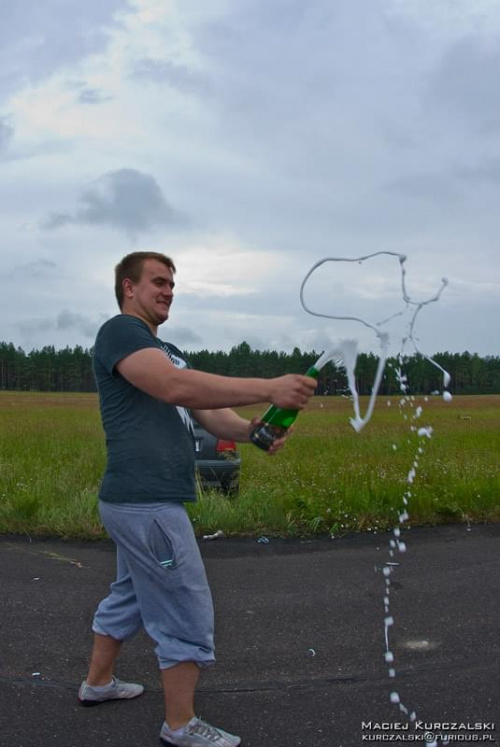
{"x": 151, "y": 297}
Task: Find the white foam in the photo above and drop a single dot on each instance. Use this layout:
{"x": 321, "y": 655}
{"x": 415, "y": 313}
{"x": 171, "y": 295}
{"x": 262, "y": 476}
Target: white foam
{"x": 427, "y": 432}
{"x": 346, "y": 352}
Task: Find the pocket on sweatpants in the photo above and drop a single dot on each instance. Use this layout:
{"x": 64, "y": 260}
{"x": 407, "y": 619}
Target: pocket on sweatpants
{"x": 161, "y": 545}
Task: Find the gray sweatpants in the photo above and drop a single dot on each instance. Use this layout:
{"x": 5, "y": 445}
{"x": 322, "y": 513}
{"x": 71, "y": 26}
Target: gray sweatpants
{"x": 161, "y": 583}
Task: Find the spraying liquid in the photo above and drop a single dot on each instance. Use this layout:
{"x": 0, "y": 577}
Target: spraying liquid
{"x": 347, "y": 349}
{"x": 346, "y": 352}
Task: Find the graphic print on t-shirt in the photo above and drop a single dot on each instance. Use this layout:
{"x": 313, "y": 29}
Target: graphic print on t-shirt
{"x": 179, "y": 363}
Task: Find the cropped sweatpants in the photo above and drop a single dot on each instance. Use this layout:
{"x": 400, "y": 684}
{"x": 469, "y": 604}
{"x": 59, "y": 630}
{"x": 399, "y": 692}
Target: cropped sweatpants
{"x": 161, "y": 583}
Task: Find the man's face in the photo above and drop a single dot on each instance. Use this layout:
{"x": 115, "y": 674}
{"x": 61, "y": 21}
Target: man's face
{"x": 152, "y": 296}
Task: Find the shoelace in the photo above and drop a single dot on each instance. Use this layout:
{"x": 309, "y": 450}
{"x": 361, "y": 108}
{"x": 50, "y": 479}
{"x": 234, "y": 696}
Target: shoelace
{"x": 205, "y": 730}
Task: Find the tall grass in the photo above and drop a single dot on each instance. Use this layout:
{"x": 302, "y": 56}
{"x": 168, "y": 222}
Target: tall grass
{"x": 51, "y": 460}
{"x": 327, "y": 479}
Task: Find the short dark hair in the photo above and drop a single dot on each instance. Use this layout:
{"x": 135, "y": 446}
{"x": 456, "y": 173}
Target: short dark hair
{"x": 131, "y": 267}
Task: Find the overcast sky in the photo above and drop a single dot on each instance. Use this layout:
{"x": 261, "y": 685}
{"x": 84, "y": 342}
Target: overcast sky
{"x": 248, "y": 139}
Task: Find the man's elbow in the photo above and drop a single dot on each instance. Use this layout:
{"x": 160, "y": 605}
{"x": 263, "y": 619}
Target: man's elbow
{"x": 178, "y": 391}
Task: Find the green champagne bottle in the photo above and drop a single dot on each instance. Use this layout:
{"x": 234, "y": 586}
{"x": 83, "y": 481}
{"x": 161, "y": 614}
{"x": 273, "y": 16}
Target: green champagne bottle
{"x": 276, "y": 420}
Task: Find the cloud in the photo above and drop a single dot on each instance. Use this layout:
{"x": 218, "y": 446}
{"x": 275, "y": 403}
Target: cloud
{"x": 72, "y": 320}
{"x": 127, "y": 199}
{"x": 65, "y": 320}
{"x": 166, "y": 72}
{"x": 6, "y": 132}
{"x": 485, "y": 171}
{"x": 37, "y": 269}
{"x": 93, "y": 96}
{"x": 203, "y": 289}
{"x": 36, "y": 38}
{"x": 433, "y": 187}
{"x": 30, "y": 327}
{"x": 182, "y": 335}
{"x": 466, "y": 83}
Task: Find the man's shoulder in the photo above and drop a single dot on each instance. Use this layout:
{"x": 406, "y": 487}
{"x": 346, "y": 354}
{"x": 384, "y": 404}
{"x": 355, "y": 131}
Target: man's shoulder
{"x": 120, "y": 336}
{"x": 124, "y": 326}
{"x": 123, "y": 321}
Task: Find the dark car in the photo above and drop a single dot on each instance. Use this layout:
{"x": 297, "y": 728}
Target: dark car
{"x": 217, "y": 461}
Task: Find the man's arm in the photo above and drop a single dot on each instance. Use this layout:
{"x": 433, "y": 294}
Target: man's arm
{"x": 224, "y": 423}
{"x": 150, "y": 370}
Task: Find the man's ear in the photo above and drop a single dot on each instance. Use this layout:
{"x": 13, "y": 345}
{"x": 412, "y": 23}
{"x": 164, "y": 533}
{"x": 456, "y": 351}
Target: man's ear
{"x": 128, "y": 288}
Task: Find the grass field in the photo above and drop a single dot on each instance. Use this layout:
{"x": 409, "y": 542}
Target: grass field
{"x": 328, "y": 479}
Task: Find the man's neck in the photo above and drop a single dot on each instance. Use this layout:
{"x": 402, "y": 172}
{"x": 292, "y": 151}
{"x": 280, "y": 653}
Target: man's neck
{"x": 152, "y": 327}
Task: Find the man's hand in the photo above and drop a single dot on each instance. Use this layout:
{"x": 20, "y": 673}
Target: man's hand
{"x": 292, "y": 391}
{"x": 278, "y": 443}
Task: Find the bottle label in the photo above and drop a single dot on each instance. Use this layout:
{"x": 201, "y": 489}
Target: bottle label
{"x": 264, "y": 435}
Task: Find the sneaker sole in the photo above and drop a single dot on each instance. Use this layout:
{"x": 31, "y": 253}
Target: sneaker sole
{"x": 173, "y": 744}
{"x": 90, "y": 703}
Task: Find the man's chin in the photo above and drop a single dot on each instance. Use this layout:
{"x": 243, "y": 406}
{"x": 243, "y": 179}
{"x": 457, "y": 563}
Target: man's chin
{"x": 162, "y": 317}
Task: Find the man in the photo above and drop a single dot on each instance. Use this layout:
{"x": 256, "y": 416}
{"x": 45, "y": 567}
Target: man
{"x": 145, "y": 391}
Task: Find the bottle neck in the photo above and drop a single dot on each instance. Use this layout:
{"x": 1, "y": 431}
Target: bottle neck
{"x": 312, "y": 372}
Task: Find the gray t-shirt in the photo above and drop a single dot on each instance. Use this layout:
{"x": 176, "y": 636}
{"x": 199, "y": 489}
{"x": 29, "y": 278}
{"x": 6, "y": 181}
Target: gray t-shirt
{"x": 150, "y": 451}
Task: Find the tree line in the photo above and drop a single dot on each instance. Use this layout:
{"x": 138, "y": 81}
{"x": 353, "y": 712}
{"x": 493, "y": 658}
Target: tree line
{"x": 70, "y": 369}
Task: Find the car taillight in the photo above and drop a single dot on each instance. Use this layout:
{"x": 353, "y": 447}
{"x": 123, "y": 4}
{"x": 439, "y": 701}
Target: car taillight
{"x": 225, "y": 445}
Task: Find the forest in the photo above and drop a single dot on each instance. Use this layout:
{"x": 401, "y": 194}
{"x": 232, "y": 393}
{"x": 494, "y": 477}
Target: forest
{"x": 70, "y": 369}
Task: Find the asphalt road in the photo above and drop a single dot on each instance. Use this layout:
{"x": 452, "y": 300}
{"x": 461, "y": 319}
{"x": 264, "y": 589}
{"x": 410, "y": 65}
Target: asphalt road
{"x": 300, "y": 642}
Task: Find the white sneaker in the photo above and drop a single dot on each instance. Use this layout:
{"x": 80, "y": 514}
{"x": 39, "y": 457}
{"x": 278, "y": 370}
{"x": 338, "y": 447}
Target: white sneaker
{"x": 198, "y": 733}
{"x": 117, "y": 690}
